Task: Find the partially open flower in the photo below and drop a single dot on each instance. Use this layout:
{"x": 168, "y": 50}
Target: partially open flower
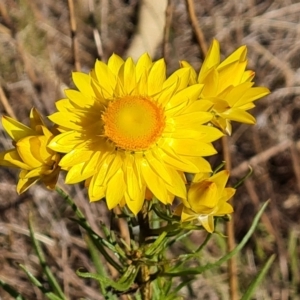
{"x": 207, "y": 198}
{"x": 228, "y": 86}
{"x": 31, "y": 153}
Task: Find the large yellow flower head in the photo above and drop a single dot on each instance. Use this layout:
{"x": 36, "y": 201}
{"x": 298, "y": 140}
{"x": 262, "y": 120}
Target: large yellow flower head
{"x": 129, "y": 129}
{"x": 228, "y": 86}
{"x": 31, "y": 153}
{"x": 207, "y": 198}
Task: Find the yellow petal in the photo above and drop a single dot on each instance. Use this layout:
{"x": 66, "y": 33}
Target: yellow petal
{"x": 115, "y": 189}
{"x": 157, "y": 77}
{"x": 35, "y": 119}
{"x": 231, "y": 74}
{"x": 114, "y": 63}
{"x": 127, "y": 76}
{"x": 189, "y": 94}
{"x": 38, "y": 172}
{"x": 238, "y": 115}
{"x": 131, "y": 178}
{"x": 75, "y": 174}
{"x": 252, "y": 95}
{"x": 15, "y": 129}
{"x": 11, "y": 158}
{"x": 212, "y": 59}
{"x": 192, "y": 147}
{"x": 143, "y": 65}
{"x": 64, "y": 105}
{"x": 154, "y": 183}
{"x": 193, "y": 74}
{"x": 228, "y": 193}
{"x": 24, "y": 184}
{"x": 135, "y": 205}
{"x": 180, "y": 77}
{"x": 158, "y": 167}
{"x": 64, "y": 142}
{"x": 105, "y": 77}
{"x": 74, "y": 157}
{"x": 96, "y": 192}
{"x": 78, "y": 98}
{"x": 178, "y": 184}
{"x": 211, "y": 84}
{"x": 177, "y": 161}
{"x": 238, "y": 55}
{"x": 201, "y": 176}
{"x": 220, "y": 179}
{"x": 28, "y": 149}
{"x": 201, "y": 105}
{"x": 224, "y": 209}
{"x": 203, "y": 193}
{"x": 83, "y": 83}
{"x": 191, "y": 120}
{"x": 207, "y": 222}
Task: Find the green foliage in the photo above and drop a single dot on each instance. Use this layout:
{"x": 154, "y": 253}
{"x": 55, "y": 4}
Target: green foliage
{"x": 143, "y": 262}
{"x": 258, "y": 279}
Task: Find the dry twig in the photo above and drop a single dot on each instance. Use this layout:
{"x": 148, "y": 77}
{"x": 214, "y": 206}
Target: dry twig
{"x": 196, "y": 27}
{"x": 75, "y": 47}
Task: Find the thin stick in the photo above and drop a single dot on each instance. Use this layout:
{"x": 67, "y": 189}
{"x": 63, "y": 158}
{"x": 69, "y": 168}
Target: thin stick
{"x": 35, "y": 81}
{"x": 75, "y": 47}
{"x": 295, "y": 159}
{"x": 143, "y": 218}
{"x": 96, "y": 33}
{"x": 261, "y": 157}
{"x": 168, "y": 17}
{"x": 195, "y": 24}
{"x": 231, "y": 264}
{"x": 6, "y": 104}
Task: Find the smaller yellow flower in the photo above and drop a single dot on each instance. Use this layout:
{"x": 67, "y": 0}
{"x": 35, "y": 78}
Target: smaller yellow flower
{"x": 31, "y": 153}
{"x": 207, "y": 198}
{"x": 228, "y": 86}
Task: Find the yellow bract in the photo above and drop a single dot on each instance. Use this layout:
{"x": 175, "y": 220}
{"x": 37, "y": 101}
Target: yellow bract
{"x": 207, "y": 198}
{"x": 228, "y": 86}
{"x": 31, "y": 153}
{"x": 129, "y": 129}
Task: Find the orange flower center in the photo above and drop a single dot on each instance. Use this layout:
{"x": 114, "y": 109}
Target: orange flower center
{"x": 133, "y": 122}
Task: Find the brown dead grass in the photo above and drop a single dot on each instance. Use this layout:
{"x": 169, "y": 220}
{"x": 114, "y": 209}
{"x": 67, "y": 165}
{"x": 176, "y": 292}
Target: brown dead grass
{"x": 35, "y": 66}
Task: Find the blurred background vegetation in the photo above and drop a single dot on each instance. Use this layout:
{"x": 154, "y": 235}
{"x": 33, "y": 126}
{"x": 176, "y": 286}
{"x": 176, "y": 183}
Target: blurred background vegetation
{"x": 37, "y": 56}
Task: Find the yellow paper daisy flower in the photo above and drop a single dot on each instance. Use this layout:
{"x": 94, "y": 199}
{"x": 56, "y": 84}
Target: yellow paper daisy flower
{"x": 130, "y": 129}
{"x": 31, "y": 154}
{"x": 228, "y": 86}
{"x": 207, "y": 198}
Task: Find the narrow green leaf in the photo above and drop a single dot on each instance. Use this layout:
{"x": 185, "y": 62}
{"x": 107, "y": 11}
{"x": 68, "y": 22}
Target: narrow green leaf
{"x": 70, "y": 201}
{"x": 10, "y": 290}
{"x": 100, "y": 243}
{"x": 51, "y": 278}
{"x": 38, "y": 284}
{"x": 163, "y": 215}
{"x": 157, "y": 245}
{"x": 208, "y": 237}
{"x": 242, "y": 180}
{"x": 257, "y": 280}
{"x": 194, "y": 271}
{"x": 184, "y": 283}
{"x": 83, "y": 222}
{"x": 97, "y": 262}
{"x": 122, "y": 285}
{"x": 219, "y": 167}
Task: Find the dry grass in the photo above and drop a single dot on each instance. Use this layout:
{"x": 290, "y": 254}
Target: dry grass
{"x": 36, "y": 61}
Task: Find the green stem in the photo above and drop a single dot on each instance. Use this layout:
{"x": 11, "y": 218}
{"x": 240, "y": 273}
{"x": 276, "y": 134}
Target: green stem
{"x": 143, "y": 218}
